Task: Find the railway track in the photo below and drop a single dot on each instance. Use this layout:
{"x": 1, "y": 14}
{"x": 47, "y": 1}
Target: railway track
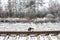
{"x": 31, "y": 35}
{"x": 30, "y": 32}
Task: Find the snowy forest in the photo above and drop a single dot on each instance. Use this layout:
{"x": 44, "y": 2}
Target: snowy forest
{"x": 29, "y": 8}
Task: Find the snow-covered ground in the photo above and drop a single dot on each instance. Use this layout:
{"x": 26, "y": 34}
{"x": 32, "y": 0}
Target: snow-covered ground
{"x": 30, "y": 37}
{"x": 24, "y": 26}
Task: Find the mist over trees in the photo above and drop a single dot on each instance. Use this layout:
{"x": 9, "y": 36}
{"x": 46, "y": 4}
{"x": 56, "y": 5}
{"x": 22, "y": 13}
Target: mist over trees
{"x": 29, "y": 9}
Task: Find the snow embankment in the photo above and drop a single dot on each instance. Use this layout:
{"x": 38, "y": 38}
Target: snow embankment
{"x": 24, "y": 26}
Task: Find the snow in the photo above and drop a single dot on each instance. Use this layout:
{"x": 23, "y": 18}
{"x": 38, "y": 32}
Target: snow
{"x": 53, "y": 37}
{"x": 22, "y": 38}
{"x": 44, "y": 38}
{"x": 1, "y": 37}
{"x": 29, "y": 37}
{"x": 24, "y": 26}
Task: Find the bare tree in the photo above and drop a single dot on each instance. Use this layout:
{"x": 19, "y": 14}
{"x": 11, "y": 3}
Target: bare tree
{"x": 54, "y": 8}
{"x": 10, "y": 14}
{"x": 0, "y": 9}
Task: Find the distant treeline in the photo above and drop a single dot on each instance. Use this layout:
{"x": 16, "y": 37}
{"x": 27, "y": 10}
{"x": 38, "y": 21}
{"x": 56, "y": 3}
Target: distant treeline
{"x": 53, "y": 9}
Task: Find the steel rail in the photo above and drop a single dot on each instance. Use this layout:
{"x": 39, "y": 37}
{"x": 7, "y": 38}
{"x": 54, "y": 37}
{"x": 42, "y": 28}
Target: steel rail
{"x": 30, "y": 32}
